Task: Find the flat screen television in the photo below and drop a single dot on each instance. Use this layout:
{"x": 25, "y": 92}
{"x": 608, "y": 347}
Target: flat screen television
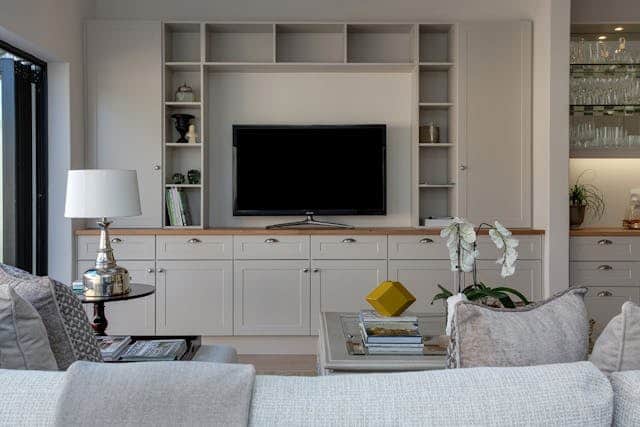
{"x": 309, "y": 169}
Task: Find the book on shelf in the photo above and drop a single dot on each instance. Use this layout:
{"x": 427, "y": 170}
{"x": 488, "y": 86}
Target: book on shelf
{"x": 155, "y": 350}
{"x": 367, "y": 316}
{"x": 111, "y": 347}
{"x": 177, "y": 207}
{"x": 391, "y": 333}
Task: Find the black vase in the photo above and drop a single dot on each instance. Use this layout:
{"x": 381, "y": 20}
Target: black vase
{"x": 182, "y": 125}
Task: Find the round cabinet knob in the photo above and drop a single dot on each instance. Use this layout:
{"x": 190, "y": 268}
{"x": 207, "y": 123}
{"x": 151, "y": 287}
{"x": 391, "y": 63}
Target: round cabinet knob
{"x": 149, "y": 270}
{"x": 315, "y": 270}
{"x": 156, "y": 167}
{"x": 161, "y": 270}
{"x": 305, "y": 270}
{"x": 463, "y": 167}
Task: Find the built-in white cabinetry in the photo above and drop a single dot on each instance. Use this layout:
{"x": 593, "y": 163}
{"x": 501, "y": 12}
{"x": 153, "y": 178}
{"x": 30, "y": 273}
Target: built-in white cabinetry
{"x": 217, "y": 284}
{"x": 421, "y": 278}
{"x": 609, "y": 266}
{"x": 342, "y": 285}
{"x": 271, "y": 297}
{"x": 123, "y": 100}
{"x": 194, "y": 297}
{"x": 494, "y": 168}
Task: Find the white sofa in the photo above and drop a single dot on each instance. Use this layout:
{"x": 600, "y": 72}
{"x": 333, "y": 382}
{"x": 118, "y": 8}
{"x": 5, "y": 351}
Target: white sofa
{"x": 575, "y": 394}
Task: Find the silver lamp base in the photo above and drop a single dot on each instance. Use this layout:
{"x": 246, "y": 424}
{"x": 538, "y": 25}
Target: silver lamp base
{"x": 106, "y": 282}
{"x": 106, "y": 279}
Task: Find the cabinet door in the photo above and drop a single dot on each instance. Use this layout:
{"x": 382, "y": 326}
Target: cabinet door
{"x": 133, "y": 317}
{"x": 343, "y": 285}
{"x": 527, "y": 278}
{"x": 605, "y": 302}
{"x": 124, "y": 131}
{"x": 271, "y": 297}
{"x": 422, "y": 278}
{"x": 194, "y": 298}
{"x": 495, "y": 122}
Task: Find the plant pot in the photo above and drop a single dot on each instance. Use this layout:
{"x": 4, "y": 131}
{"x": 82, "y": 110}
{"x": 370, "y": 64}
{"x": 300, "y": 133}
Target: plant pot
{"x": 576, "y": 215}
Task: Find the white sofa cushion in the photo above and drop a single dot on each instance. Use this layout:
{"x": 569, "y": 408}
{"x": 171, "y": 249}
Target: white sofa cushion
{"x": 626, "y": 388}
{"x": 575, "y": 394}
{"x": 618, "y": 346}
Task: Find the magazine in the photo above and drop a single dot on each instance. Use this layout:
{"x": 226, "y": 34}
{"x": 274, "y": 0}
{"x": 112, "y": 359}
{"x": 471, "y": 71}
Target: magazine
{"x": 112, "y": 346}
{"x": 155, "y": 350}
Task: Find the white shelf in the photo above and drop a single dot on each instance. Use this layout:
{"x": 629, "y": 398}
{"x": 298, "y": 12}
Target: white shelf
{"x": 436, "y": 185}
{"x": 177, "y": 104}
{"x": 183, "y": 145}
{"x": 435, "y": 145}
{"x": 183, "y": 66}
{"x": 435, "y": 105}
{"x": 435, "y": 66}
{"x": 183, "y": 185}
{"x": 336, "y": 67}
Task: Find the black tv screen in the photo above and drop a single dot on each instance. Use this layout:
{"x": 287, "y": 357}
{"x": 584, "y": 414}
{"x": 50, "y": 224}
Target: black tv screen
{"x": 313, "y": 169}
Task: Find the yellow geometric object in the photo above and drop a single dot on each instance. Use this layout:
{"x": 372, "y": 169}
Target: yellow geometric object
{"x": 390, "y": 298}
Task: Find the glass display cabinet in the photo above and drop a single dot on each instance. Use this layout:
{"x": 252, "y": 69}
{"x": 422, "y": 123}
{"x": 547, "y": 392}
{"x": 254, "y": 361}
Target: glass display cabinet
{"x": 604, "y": 94}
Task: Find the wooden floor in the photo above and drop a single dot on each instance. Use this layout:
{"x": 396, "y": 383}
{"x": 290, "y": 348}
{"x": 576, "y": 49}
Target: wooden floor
{"x": 277, "y": 364}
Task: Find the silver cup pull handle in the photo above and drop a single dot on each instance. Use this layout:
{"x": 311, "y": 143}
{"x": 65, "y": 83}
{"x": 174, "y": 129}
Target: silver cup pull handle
{"x": 161, "y": 270}
{"x": 271, "y": 240}
{"x": 604, "y": 242}
{"x": 605, "y": 267}
{"x": 425, "y": 241}
{"x": 149, "y": 270}
{"x": 605, "y": 294}
{"x": 116, "y": 240}
{"x": 194, "y": 241}
{"x": 348, "y": 240}
{"x": 305, "y": 270}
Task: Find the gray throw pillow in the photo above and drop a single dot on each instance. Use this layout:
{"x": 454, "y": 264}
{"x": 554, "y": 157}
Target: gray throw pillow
{"x": 23, "y": 338}
{"x": 618, "y": 346}
{"x": 70, "y": 334}
{"x": 551, "y": 331}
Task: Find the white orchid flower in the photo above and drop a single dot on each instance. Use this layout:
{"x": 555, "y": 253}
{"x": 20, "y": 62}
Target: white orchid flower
{"x": 461, "y": 237}
{"x": 501, "y": 237}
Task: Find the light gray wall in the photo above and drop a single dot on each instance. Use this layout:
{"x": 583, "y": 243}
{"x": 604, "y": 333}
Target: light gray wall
{"x": 590, "y": 11}
{"x": 53, "y": 31}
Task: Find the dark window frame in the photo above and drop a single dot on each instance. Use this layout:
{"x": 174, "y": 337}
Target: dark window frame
{"x": 35, "y": 70}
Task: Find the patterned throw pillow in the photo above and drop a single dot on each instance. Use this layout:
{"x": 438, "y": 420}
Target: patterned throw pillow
{"x": 68, "y": 328}
{"x": 551, "y": 331}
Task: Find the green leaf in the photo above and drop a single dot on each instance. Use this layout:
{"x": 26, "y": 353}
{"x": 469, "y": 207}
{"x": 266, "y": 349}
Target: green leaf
{"x": 514, "y": 292}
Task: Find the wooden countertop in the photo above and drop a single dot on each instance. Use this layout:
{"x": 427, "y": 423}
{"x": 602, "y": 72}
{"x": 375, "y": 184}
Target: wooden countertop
{"x": 298, "y": 231}
{"x": 595, "y": 232}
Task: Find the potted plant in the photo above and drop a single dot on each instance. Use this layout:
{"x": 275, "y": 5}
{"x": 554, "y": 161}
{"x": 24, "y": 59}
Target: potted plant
{"x": 583, "y": 198}
{"x": 463, "y": 252}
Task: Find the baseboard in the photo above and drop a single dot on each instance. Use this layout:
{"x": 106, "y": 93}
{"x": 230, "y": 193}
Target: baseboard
{"x": 268, "y": 344}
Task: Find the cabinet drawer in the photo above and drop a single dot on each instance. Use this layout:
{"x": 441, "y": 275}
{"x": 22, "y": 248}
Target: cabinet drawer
{"x": 348, "y": 247}
{"x": 529, "y": 248}
{"x": 191, "y": 247}
{"x": 605, "y": 302}
{"x": 124, "y": 247}
{"x": 417, "y": 247}
{"x": 604, "y": 249}
{"x": 604, "y": 273}
{"x": 271, "y": 247}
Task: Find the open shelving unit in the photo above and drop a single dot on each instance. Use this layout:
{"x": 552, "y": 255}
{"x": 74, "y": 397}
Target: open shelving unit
{"x": 192, "y": 50}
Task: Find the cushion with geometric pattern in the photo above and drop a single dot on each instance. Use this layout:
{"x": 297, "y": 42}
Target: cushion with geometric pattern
{"x": 70, "y": 334}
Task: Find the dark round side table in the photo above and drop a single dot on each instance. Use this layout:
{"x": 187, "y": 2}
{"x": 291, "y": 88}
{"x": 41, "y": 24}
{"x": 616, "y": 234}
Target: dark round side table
{"x": 99, "y": 322}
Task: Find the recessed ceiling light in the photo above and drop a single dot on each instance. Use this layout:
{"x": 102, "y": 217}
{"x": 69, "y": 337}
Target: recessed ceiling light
{"x": 618, "y": 29}
{"x": 602, "y": 37}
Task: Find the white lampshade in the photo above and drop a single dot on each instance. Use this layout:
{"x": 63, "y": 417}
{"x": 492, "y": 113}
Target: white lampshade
{"x": 102, "y": 193}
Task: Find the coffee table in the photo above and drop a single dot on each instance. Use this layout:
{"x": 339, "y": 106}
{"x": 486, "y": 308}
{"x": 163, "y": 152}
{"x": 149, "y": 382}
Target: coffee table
{"x": 334, "y": 357}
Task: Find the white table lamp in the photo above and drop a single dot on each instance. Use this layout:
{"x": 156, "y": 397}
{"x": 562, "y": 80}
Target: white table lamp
{"x": 102, "y": 194}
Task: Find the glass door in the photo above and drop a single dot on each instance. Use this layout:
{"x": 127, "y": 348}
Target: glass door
{"x": 23, "y": 160}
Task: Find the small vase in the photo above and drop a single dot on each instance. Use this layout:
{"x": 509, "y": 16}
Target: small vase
{"x": 576, "y": 215}
{"x": 182, "y": 125}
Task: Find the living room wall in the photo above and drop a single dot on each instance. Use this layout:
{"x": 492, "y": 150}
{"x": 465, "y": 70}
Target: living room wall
{"x": 53, "y": 31}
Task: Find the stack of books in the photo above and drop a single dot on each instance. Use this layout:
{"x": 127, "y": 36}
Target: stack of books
{"x": 390, "y": 335}
{"x": 112, "y": 347}
{"x": 177, "y": 207}
{"x": 155, "y": 350}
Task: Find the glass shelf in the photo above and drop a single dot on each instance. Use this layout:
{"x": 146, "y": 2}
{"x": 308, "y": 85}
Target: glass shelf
{"x": 604, "y": 109}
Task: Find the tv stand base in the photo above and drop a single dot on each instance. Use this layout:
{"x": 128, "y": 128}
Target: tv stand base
{"x": 308, "y": 222}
